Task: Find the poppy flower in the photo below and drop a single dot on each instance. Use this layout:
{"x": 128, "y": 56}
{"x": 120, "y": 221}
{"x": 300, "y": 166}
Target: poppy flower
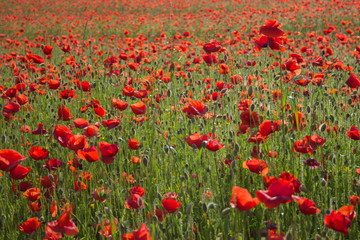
{"x": 170, "y": 204}
{"x": 212, "y": 47}
{"x": 25, "y": 129}
{"x": 38, "y": 153}
{"x": 22, "y": 99}
{"x": 89, "y": 154}
{"x": 20, "y": 172}
{"x": 127, "y": 236}
{"x": 195, "y": 139}
{"x": 256, "y": 166}
{"x": 137, "y": 190}
{"x": 281, "y": 191}
{"x": 268, "y": 127}
{"x": 80, "y": 123}
{"x": 134, "y": 201}
{"x": 271, "y": 28}
{"x": 353, "y": 81}
{"x": 242, "y": 200}
{"x": 209, "y": 59}
{"x": 354, "y": 133}
{"x": 142, "y": 233}
{"x": 35, "y": 206}
{"x": 79, "y": 186}
{"x": 103, "y": 194}
{"x": 108, "y": 152}
{"x": 35, "y": 58}
{"x": 32, "y": 194}
{"x": 195, "y": 108}
{"x": 84, "y": 86}
{"x": 31, "y": 225}
{"x": 64, "y": 113}
{"x": 47, "y": 50}
{"x": 312, "y": 163}
{"x": 275, "y": 44}
{"x": 141, "y": 93}
{"x": 307, "y": 206}
{"x": 111, "y": 123}
{"x": 10, "y": 159}
{"x": 76, "y": 142}
{"x": 106, "y": 228}
{"x": 138, "y": 108}
{"x": 252, "y": 119}
{"x": 63, "y": 224}
{"x": 40, "y": 130}
{"x": 133, "y": 144}
{"x": 128, "y": 91}
{"x": 212, "y": 144}
{"x": 316, "y": 140}
{"x": 119, "y": 104}
{"x": 299, "y": 122}
{"x": 91, "y": 131}
{"x": 47, "y": 182}
{"x": 303, "y": 146}
{"x": 291, "y": 178}
{"x": 340, "y": 220}
{"x": 11, "y": 107}
{"x": 67, "y": 93}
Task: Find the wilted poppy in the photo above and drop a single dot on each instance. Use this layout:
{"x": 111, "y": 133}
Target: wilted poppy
{"x": 40, "y": 130}
{"x": 242, "y": 200}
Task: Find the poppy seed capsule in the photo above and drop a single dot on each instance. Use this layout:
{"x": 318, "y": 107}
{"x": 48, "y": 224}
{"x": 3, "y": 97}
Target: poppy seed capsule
{"x": 179, "y": 215}
{"x": 225, "y": 212}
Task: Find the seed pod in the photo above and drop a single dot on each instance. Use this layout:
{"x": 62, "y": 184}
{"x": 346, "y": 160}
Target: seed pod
{"x": 250, "y": 90}
{"x": 225, "y": 212}
{"x": 188, "y": 208}
{"x": 322, "y": 127}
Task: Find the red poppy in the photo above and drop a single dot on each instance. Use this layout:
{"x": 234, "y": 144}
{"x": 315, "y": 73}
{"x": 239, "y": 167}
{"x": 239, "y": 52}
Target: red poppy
{"x": 142, "y": 233}
{"x": 209, "y": 59}
{"x": 111, "y": 123}
{"x": 137, "y": 190}
{"x": 91, "y": 131}
{"x": 291, "y": 178}
{"x": 89, "y": 154}
{"x": 35, "y": 58}
{"x": 31, "y": 225}
{"x": 79, "y": 186}
{"x": 212, "y": 47}
{"x": 195, "y": 108}
{"x": 84, "y": 86}
{"x": 212, "y": 144}
{"x": 299, "y": 123}
{"x": 268, "y": 127}
{"x": 307, "y": 206}
{"x": 128, "y": 91}
{"x": 340, "y": 220}
{"x": 103, "y": 194}
{"x": 67, "y": 93}
{"x": 119, "y": 104}
{"x": 47, "y": 50}
{"x": 256, "y": 166}
{"x": 47, "y": 182}
{"x": 273, "y": 43}
{"x": 38, "y": 153}
{"x": 108, "y": 152}
{"x": 32, "y": 194}
{"x": 19, "y": 172}
{"x": 138, "y": 108}
{"x": 10, "y": 159}
{"x": 64, "y": 113}
{"x": 106, "y": 228}
{"x": 127, "y": 236}
{"x": 80, "y": 123}
{"x": 353, "y": 81}
{"x": 134, "y": 201}
{"x": 133, "y": 144}
{"x": 35, "y": 206}
{"x": 242, "y": 200}
{"x": 316, "y": 140}
{"x": 76, "y": 142}
{"x": 195, "y": 139}
{"x": 354, "y": 133}
{"x": 141, "y": 93}
{"x": 22, "y": 99}
{"x": 170, "y": 205}
{"x": 11, "y": 107}
{"x": 271, "y": 28}
{"x": 312, "y": 163}
{"x": 281, "y": 191}
{"x": 25, "y": 129}
{"x": 63, "y": 224}
{"x": 40, "y": 130}
{"x": 252, "y": 120}
{"x": 303, "y": 146}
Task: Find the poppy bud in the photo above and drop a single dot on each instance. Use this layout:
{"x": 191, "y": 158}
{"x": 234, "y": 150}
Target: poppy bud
{"x": 225, "y": 212}
{"x": 323, "y": 182}
{"x": 179, "y": 215}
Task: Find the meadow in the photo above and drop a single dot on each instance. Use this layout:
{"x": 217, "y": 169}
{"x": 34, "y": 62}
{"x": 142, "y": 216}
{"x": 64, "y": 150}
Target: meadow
{"x": 184, "y": 119}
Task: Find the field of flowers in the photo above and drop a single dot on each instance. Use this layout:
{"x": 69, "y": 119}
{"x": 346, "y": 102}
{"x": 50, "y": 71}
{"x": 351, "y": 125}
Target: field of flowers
{"x": 179, "y": 119}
